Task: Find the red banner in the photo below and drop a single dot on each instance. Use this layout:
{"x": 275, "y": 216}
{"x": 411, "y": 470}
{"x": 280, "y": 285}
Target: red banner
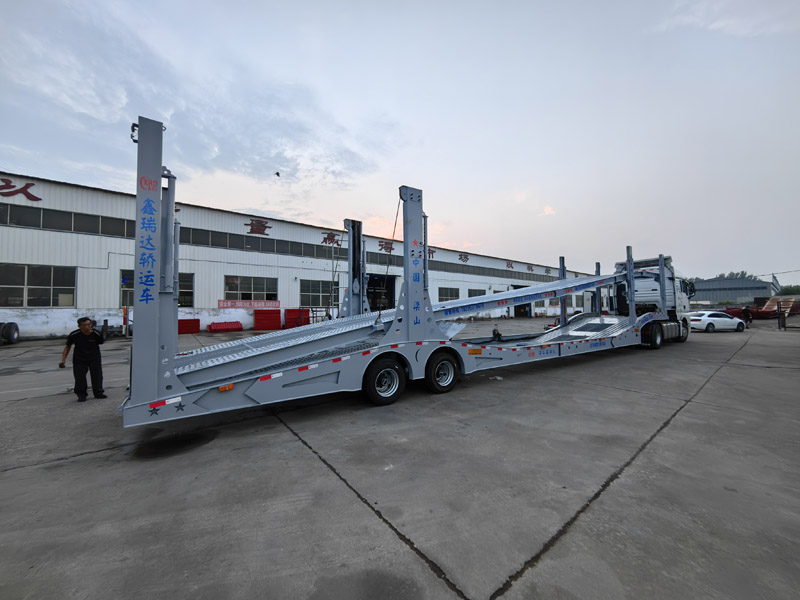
{"x": 248, "y": 303}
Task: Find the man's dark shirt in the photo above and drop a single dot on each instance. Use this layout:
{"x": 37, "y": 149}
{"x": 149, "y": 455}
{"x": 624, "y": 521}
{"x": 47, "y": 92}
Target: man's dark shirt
{"x": 87, "y": 347}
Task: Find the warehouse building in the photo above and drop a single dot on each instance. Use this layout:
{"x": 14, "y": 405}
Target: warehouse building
{"x": 68, "y": 250}
{"x": 735, "y": 290}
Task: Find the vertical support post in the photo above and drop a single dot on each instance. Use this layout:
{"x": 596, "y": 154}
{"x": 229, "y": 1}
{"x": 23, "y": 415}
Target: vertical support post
{"x": 147, "y": 265}
{"x": 662, "y": 281}
{"x": 562, "y": 303}
{"x": 155, "y": 271}
{"x": 414, "y": 314}
{"x": 597, "y": 301}
{"x": 168, "y": 293}
{"x": 355, "y": 300}
{"x": 631, "y": 286}
{"x": 425, "y": 251}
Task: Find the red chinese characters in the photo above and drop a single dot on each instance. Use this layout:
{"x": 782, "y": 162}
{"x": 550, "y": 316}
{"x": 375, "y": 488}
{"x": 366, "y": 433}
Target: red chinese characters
{"x": 8, "y": 190}
{"x": 331, "y": 239}
{"x": 258, "y": 226}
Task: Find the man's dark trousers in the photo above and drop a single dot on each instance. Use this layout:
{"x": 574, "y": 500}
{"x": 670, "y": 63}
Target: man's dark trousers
{"x": 79, "y": 369}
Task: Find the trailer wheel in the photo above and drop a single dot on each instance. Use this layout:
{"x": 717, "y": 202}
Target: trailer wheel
{"x": 384, "y": 381}
{"x": 441, "y": 373}
{"x": 656, "y": 336}
{"x": 11, "y": 333}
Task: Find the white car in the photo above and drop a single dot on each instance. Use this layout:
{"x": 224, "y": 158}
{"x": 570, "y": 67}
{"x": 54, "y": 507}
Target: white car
{"x": 711, "y": 321}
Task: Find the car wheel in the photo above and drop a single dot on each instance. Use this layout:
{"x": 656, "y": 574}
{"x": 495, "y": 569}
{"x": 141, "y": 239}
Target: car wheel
{"x": 10, "y": 332}
{"x": 384, "y": 381}
{"x": 740, "y": 327}
{"x": 441, "y": 373}
{"x": 710, "y": 328}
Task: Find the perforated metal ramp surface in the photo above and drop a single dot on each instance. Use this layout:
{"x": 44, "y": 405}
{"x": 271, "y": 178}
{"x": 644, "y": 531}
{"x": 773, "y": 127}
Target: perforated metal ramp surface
{"x": 567, "y": 338}
{"x": 607, "y": 327}
{"x": 289, "y": 364}
{"x": 209, "y": 356}
{"x": 593, "y": 327}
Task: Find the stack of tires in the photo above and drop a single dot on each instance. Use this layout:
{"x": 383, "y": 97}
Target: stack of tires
{"x": 9, "y": 332}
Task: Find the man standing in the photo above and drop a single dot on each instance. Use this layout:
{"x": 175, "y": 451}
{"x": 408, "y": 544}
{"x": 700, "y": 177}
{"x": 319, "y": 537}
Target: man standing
{"x": 86, "y": 358}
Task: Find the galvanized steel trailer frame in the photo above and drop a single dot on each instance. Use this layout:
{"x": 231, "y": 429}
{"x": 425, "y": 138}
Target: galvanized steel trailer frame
{"x": 372, "y": 351}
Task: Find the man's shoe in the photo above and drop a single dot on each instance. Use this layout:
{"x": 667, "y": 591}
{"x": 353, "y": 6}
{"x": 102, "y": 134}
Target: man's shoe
{"x": 101, "y": 396}
{"x": 81, "y": 398}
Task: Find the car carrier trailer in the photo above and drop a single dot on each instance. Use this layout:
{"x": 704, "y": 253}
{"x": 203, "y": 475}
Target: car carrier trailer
{"x": 377, "y": 352}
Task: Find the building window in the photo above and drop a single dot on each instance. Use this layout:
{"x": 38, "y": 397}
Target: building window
{"x": 236, "y": 241}
{"x": 446, "y": 293}
{"x": 59, "y": 220}
{"x": 37, "y": 286}
{"x": 219, "y": 239}
{"x": 473, "y": 293}
{"x": 185, "y": 288}
{"x": 318, "y": 294}
{"x": 126, "y": 287}
{"x": 86, "y": 223}
{"x": 112, "y": 226}
{"x": 25, "y": 216}
{"x": 238, "y": 287}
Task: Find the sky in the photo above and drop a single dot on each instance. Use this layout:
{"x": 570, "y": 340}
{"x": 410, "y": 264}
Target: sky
{"x": 536, "y": 129}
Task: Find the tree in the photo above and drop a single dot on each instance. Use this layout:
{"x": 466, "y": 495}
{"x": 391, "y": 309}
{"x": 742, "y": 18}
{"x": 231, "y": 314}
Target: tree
{"x": 738, "y": 275}
{"x": 790, "y": 290}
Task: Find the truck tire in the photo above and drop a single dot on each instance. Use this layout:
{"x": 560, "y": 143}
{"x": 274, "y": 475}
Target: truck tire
{"x": 684, "y": 332}
{"x": 441, "y": 373}
{"x": 10, "y": 332}
{"x": 656, "y": 336}
{"x": 384, "y": 381}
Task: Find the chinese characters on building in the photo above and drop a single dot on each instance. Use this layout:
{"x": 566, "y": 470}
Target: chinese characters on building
{"x": 386, "y": 246}
{"x": 463, "y": 257}
{"x": 8, "y": 189}
{"x": 258, "y": 226}
{"x": 331, "y": 239}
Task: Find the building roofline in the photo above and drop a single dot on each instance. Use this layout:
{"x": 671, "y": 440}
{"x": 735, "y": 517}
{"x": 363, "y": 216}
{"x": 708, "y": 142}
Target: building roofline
{"x": 222, "y": 210}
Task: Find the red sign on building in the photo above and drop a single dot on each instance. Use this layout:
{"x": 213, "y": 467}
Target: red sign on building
{"x": 8, "y": 189}
{"x": 248, "y": 303}
{"x": 258, "y": 226}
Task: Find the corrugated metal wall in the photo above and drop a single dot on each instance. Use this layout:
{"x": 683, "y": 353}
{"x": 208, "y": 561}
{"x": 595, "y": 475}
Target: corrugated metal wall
{"x": 100, "y": 258}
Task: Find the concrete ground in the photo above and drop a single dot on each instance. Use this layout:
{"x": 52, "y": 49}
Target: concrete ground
{"x": 626, "y": 474}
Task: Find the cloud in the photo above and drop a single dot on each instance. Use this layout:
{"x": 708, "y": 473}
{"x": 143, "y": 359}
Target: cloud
{"x": 548, "y": 210}
{"x": 745, "y": 18}
{"x": 228, "y": 118}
